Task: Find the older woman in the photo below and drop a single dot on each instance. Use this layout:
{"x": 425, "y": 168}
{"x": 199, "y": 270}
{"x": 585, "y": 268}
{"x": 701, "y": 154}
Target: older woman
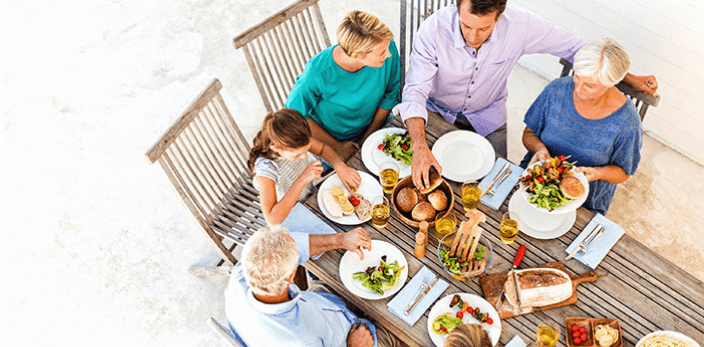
{"x": 588, "y": 118}
{"x": 348, "y": 90}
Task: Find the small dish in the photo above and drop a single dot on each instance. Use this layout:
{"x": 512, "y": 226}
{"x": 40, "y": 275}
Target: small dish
{"x": 590, "y": 324}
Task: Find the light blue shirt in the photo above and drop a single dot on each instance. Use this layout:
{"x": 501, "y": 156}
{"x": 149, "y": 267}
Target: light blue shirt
{"x": 449, "y": 77}
{"x": 308, "y": 319}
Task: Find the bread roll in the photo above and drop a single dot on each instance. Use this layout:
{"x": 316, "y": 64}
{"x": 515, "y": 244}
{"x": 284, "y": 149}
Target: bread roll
{"x": 423, "y": 212}
{"x": 434, "y": 179}
{"x": 438, "y": 199}
{"x": 406, "y": 199}
{"x": 571, "y": 187}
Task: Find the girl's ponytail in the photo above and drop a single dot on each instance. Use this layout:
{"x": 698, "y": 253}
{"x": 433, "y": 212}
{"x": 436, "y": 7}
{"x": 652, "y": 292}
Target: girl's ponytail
{"x": 285, "y": 128}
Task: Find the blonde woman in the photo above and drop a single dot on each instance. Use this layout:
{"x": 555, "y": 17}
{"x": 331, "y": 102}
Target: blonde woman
{"x": 468, "y": 335}
{"x": 586, "y": 117}
{"x": 348, "y": 90}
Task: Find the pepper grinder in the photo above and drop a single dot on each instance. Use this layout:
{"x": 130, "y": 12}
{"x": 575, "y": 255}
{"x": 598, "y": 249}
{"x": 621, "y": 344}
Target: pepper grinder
{"x": 421, "y": 240}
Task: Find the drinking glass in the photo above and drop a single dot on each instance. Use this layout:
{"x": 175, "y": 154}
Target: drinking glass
{"x": 509, "y": 227}
{"x": 547, "y": 335}
{"x": 445, "y": 224}
{"x": 380, "y": 211}
{"x": 388, "y": 176}
{"x": 471, "y": 194}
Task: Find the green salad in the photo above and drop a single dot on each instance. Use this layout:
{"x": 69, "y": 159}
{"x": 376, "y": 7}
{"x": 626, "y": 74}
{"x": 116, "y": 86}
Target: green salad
{"x": 398, "y": 146}
{"x": 548, "y": 196}
{"x": 454, "y": 264}
{"x": 378, "y": 278}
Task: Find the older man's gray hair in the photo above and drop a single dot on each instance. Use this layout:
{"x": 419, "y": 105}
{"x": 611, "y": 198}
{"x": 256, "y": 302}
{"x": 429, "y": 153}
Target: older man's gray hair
{"x": 269, "y": 257}
{"x": 603, "y": 59}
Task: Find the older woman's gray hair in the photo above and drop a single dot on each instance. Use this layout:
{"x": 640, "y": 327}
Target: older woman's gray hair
{"x": 604, "y": 59}
{"x": 268, "y": 259}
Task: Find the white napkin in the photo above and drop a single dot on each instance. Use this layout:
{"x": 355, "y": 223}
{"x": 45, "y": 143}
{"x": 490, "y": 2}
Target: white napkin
{"x": 516, "y": 341}
{"x": 599, "y": 248}
{"x": 494, "y": 201}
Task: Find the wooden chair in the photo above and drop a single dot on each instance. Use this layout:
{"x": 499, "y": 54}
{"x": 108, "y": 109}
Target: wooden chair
{"x": 413, "y": 13}
{"x": 642, "y": 100}
{"x": 278, "y": 48}
{"x": 204, "y": 155}
{"x": 224, "y": 332}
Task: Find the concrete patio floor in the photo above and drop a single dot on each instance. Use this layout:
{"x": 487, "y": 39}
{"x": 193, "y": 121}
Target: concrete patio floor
{"x": 98, "y": 245}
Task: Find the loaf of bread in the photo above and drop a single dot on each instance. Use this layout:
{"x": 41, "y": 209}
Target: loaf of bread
{"x": 538, "y": 287}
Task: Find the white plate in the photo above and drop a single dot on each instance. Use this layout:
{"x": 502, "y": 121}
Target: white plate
{"x": 464, "y": 155}
{"x": 369, "y": 188}
{"x": 673, "y": 334}
{"x": 443, "y": 305}
{"x": 372, "y": 156}
{"x": 568, "y": 207}
{"x": 540, "y": 225}
{"x": 350, "y": 263}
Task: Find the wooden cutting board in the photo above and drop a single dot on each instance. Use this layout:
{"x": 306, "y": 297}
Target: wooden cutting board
{"x": 491, "y": 286}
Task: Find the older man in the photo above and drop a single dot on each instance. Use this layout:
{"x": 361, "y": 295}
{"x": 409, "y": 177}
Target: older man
{"x": 264, "y": 307}
{"x": 462, "y": 56}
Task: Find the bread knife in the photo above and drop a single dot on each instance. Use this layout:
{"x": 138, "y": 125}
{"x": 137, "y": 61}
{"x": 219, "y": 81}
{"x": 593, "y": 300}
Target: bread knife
{"x": 503, "y": 169}
{"x": 516, "y": 262}
{"x": 592, "y": 236}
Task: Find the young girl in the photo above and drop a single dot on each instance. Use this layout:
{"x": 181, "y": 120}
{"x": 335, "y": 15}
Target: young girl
{"x": 283, "y": 170}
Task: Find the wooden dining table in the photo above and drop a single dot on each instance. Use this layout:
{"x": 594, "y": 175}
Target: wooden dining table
{"x": 640, "y": 288}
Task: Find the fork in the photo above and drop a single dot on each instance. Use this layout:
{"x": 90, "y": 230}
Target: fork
{"x": 492, "y": 191}
{"x": 423, "y": 283}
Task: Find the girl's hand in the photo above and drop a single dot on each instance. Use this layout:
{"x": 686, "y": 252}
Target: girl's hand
{"x": 542, "y": 155}
{"x": 349, "y": 177}
{"x": 313, "y": 171}
{"x": 592, "y": 173}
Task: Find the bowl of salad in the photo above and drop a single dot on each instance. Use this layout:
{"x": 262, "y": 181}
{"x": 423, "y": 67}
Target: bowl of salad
{"x": 456, "y": 266}
{"x": 540, "y": 186}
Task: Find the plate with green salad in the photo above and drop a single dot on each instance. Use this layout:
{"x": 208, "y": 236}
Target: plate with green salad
{"x": 449, "y": 312}
{"x": 388, "y": 144}
{"x": 381, "y": 273}
{"x": 540, "y": 186}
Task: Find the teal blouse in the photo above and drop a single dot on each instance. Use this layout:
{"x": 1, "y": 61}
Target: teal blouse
{"x": 342, "y": 102}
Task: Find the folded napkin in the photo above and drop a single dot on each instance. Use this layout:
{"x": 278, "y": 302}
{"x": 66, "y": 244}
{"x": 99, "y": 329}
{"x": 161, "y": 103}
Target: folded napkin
{"x": 599, "y": 248}
{"x": 494, "y": 201}
{"x": 516, "y": 341}
{"x": 398, "y": 304}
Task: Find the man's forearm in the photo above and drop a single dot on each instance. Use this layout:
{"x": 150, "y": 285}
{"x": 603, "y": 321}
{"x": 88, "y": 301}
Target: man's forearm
{"x": 416, "y": 130}
{"x": 322, "y": 243}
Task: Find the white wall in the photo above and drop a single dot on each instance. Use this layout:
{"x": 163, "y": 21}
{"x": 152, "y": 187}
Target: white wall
{"x": 663, "y": 37}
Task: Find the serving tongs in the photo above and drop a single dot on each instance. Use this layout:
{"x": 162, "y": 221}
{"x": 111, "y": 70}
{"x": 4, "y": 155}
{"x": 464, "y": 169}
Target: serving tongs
{"x": 465, "y": 244}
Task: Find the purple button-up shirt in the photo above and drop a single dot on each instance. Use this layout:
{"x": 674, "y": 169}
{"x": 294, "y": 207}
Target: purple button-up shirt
{"x": 449, "y": 77}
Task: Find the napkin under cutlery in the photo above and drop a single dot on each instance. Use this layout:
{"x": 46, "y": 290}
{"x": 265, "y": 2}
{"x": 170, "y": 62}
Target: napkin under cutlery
{"x": 516, "y": 341}
{"x": 601, "y": 246}
{"x": 494, "y": 201}
{"x": 398, "y": 304}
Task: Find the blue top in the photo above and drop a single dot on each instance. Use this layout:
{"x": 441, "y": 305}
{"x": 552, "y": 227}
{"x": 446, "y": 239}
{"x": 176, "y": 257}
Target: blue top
{"x": 342, "y": 102}
{"x": 614, "y": 139}
{"x": 308, "y": 319}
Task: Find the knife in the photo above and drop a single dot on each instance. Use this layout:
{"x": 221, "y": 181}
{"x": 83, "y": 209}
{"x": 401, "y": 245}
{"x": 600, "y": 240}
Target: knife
{"x": 495, "y": 179}
{"x": 516, "y": 262}
{"x": 425, "y": 291}
{"x": 598, "y": 230}
{"x": 492, "y": 191}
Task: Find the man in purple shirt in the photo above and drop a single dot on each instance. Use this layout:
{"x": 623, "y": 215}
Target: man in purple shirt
{"x": 462, "y": 56}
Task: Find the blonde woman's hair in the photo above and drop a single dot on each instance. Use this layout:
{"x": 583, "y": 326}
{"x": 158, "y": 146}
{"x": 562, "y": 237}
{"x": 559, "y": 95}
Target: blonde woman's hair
{"x": 468, "y": 335}
{"x": 269, "y": 257}
{"x": 360, "y": 31}
{"x": 604, "y": 59}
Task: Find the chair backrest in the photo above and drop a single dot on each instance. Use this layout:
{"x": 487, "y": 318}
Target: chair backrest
{"x": 413, "y": 13}
{"x": 278, "y": 48}
{"x": 642, "y": 100}
{"x": 204, "y": 155}
{"x": 224, "y": 332}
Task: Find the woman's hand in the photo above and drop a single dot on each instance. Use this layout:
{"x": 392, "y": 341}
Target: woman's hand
{"x": 645, "y": 84}
{"x": 349, "y": 177}
{"x": 313, "y": 171}
{"x": 592, "y": 173}
{"x": 542, "y": 155}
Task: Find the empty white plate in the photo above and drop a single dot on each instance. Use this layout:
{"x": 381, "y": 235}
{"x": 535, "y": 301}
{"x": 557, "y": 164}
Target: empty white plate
{"x": 464, "y": 155}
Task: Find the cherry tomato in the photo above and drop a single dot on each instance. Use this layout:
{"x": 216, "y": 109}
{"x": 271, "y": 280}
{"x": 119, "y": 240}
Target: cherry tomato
{"x": 405, "y": 148}
{"x": 381, "y": 268}
{"x": 582, "y": 330}
{"x": 355, "y": 202}
{"x": 443, "y": 328}
{"x": 381, "y": 146}
{"x": 447, "y": 266}
{"x": 583, "y": 337}
{"x": 575, "y": 328}
{"x": 562, "y": 158}
{"x": 469, "y": 309}
{"x": 548, "y": 165}
{"x": 459, "y": 314}
{"x": 541, "y": 179}
{"x": 577, "y": 340}
{"x": 352, "y": 198}
{"x": 576, "y": 334}
{"x": 489, "y": 321}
